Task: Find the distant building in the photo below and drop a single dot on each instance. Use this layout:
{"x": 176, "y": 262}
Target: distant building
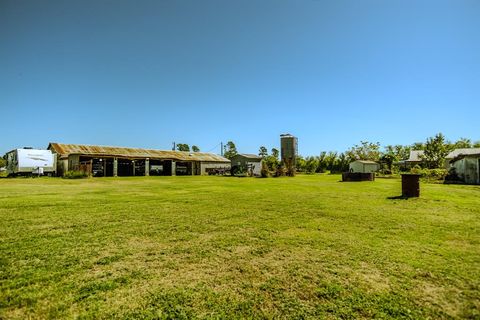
{"x": 101, "y": 161}
{"x": 416, "y": 157}
{"x": 364, "y": 166}
{"x": 467, "y": 167}
{"x": 248, "y": 163}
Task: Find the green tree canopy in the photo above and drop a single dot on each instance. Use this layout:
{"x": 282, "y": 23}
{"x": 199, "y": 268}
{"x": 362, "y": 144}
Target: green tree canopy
{"x": 463, "y": 143}
{"x": 263, "y": 152}
{"x": 183, "y": 147}
{"x": 195, "y": 149}
{"x": 230, "y": 150}
{"x": 436, "y": 149}
{"x": 275, "y": 153}
{"x": 365, "y": 151}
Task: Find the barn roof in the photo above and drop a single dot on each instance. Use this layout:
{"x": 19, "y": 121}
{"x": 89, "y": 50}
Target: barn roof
{"x": 462, "y": 151}
{"x": 366, "y": 161}
{"x": 64, "y": 150}
{"x": 250, "y": 156}
{"x": 461, "y": 156}
{"x": 415, "y": 156}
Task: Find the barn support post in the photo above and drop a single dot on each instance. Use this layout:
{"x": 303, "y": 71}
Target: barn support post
{"x": 104, "y": 167}
{"x": 147, "y": 167}
{"x": 193, "y": 168}
{"x": 174, "y": 168}
{"x": 115, "y": 167}
{"x": 133, "y": 167}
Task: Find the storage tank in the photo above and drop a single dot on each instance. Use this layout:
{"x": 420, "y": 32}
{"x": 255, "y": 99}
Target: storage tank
{"x": 289, "y": 148}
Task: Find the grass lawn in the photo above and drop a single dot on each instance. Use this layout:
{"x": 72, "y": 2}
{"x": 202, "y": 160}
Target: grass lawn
{"x": 220, "y": 247}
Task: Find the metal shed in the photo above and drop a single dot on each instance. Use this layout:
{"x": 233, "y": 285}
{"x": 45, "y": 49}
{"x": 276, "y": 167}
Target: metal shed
{"x": 250, "y": 163}
{"x": 364, "y": 166}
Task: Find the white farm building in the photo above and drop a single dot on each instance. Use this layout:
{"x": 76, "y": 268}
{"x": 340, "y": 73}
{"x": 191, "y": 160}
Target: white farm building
{"x": 364, "y": 166}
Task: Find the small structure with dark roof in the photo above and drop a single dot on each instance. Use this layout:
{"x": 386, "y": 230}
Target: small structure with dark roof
{"x": 248, "y": 163}
{"x": 364, "y": 166}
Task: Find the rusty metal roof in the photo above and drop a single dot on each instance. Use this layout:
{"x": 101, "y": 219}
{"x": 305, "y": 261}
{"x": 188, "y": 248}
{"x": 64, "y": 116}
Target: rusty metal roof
{"x": 64, "y": 150}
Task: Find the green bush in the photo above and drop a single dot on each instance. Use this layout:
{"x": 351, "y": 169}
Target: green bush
{"x": 430, "y": 174}
{"x": 75, "y": 175}
{"x": 264, "y": 171}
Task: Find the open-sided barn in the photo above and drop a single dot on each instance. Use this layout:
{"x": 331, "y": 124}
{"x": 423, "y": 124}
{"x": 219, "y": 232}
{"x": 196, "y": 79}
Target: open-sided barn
{"x": 102, "y": 161}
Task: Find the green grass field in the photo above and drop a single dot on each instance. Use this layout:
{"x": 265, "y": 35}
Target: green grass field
{"x": 221, "y": 247}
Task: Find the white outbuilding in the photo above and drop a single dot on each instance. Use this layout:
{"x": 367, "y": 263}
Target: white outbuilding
{"x": 364, "y": 166}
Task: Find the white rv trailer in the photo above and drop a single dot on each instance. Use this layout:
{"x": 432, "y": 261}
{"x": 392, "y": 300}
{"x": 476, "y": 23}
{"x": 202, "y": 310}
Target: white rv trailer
{"x": 30, "y": 161}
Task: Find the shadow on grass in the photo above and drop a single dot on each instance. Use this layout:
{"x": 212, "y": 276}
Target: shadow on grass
{"x": 400, "y": 197}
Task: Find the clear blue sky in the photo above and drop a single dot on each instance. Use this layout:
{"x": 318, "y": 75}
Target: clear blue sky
{"x": 146, "y": 73}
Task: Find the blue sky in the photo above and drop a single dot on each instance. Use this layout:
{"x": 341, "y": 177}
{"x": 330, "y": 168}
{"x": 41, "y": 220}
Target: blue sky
{"x": 147, "y": 73}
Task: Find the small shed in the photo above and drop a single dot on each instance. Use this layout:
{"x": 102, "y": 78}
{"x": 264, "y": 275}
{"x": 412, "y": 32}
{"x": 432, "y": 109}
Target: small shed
{"x": 364, "y": 166}
{"x": 249, "y": 163}
{"x": 467, "y": 168}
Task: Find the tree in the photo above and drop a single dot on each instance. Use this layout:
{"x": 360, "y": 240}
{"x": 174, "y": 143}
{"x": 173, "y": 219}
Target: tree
{"x": 365, "y": 151}
{"x": 3, "y": 162}
{"x": 195, "y": 149}
{"x": 300, "y": 163}
{"x": 436, "y": 149}
{"x": 183, "y": 147}
{"x": 321, "y": 162}
{"x": 476, "y": 144}
{"x": 342, "y": 163}
{"x": 275, "y": 153}
{"x": 272, "y": 163}
{"x": 462, "y": 143}
{"x": 263, "y": 152}
{"x": 388, "y": 159}
{"x": 418, "y": 146}
{"x": 311, "y": 164}
{"x": 230, "y": 150}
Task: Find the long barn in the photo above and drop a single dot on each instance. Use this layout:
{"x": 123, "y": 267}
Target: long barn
{"x": 102, "y": 161}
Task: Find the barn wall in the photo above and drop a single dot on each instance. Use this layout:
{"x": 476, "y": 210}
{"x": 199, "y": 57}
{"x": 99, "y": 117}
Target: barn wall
{"x": 212, "y": 165}
{"x": 363, "y": 167}
{"x": 73, "y": 162}
{"x": 468, "y": 169}
{"x": 257, "y": 167}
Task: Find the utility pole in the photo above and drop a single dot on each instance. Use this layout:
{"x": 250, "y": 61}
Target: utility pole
{"x": 221, "y": 149}
{"x": 173, "y": 148}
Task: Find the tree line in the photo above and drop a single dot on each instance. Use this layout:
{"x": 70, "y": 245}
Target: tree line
{"x": 435, "y": 149}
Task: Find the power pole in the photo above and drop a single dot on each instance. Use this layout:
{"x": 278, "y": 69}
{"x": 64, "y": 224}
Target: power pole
{"x": 221, "y": 149}
{"x": 173, "y": 148}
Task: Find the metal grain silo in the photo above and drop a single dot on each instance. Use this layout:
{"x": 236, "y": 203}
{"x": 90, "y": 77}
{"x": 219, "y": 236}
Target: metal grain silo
{"x": 289, "y": 148}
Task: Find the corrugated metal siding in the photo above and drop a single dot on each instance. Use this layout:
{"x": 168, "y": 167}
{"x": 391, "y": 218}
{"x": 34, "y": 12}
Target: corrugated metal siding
{"x": 64, "y": 150}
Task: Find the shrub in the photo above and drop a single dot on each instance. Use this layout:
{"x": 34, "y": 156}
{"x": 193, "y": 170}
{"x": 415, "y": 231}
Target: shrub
{"x": 290, "y": 168}
{"x": 72, "y": 174}
{"x": 280, "y": 172}
{"x": 264, "y": 171}
{"x": 430, "y": 174}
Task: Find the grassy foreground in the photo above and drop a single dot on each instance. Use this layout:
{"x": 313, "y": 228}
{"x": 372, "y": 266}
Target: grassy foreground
{"x": 218, "y": 247}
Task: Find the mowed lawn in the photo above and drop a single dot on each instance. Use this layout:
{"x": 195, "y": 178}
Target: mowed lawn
{"x": 221, "y": 247}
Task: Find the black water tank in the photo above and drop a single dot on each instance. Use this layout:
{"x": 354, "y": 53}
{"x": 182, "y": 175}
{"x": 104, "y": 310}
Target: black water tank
{"x": 410, "y": 185}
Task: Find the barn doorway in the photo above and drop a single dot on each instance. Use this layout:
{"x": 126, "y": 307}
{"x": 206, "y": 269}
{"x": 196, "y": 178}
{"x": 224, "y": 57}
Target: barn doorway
{"x": 139, "y": 167}
{"x": 160, "y": 167}
{"x": 183, "y": 168}
{"x": 125, "y": 168}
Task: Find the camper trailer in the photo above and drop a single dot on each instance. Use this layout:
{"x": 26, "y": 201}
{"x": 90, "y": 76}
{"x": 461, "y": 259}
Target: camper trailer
{"x": 28, "y": 161}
